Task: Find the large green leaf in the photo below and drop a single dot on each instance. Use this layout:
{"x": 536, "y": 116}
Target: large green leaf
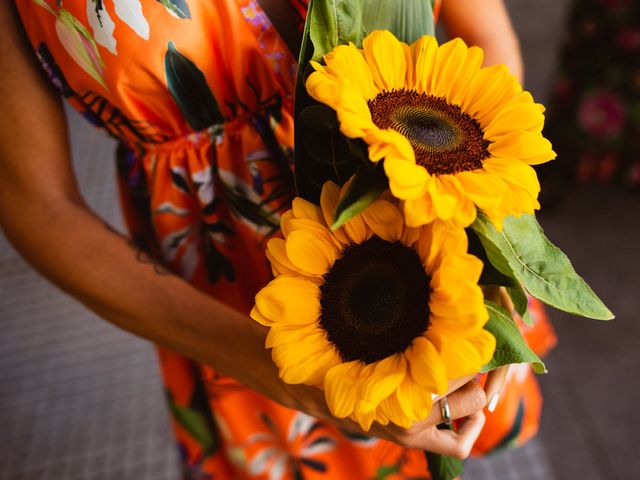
{"x": 334, "y": 22}
{"x": 510, "y": 345}
{"x": 368, "y": 183}
{"x": 522, "y": 251}
{"x": 408, "y": 19}
{"x": 189, "y": 89}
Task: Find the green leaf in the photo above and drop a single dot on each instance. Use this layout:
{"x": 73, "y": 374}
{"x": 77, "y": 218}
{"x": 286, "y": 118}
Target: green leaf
{"x": 442, "y": 467}
{"x": 318, "y": 117}
{"x": 510, "y": 345}
{"x": 189, "y": 89}
{"x": 489, "y": 276}
{"x": 520, "y": 302}
{"x": 408, "y": 19}
{"x": 367, "y": 186}
{"x": 194, "y": 423}
{"x": 334, "y": 22}
{"x": 521, "y": 250}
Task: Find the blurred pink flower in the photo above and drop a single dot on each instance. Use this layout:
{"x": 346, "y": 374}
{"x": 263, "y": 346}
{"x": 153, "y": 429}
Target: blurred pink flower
{"x": 601, "y": 114}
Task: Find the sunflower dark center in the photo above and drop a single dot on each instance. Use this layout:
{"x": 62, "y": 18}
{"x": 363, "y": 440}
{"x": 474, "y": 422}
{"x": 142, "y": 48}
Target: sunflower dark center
{"x": 444, "y": 138}
{"x": 375, "y": 300}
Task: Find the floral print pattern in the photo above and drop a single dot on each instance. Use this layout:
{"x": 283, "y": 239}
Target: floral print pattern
{"x": 204, "y": 166}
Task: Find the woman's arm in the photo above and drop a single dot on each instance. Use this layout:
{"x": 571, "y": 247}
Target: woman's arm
{"x": 485, "y": 23}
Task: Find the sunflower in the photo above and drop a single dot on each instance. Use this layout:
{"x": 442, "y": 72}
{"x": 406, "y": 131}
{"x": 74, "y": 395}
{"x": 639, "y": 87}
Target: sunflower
{"x": 377, "y": 314}
{"x": 453, "y": 135}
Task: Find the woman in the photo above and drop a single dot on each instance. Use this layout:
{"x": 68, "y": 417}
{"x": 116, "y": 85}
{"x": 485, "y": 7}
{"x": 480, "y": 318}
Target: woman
{"x": 205, "y": 132}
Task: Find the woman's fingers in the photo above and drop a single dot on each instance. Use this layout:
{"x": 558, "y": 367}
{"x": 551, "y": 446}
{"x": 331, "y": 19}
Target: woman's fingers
{"x": 463, "y": 402}
{"x": 454, "y": 443}
{"x": 493, "y": 387}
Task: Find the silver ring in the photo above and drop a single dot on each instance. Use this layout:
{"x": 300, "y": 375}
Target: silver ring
{"x": 445, "y": 411}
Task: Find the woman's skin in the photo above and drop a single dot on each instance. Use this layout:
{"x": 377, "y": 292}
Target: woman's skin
{"x": 45, "y": 217}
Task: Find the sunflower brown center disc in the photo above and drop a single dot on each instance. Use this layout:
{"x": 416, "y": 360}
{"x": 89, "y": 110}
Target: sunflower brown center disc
{"x": 375, "y": 300}
{"x": 444, "y": 138}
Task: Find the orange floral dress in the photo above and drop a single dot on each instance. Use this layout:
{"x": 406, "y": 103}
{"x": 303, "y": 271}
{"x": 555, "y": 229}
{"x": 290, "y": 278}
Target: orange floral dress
{"x": 199, "y": 94}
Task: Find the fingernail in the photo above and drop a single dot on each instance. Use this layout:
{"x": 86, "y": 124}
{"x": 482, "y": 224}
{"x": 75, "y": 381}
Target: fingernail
{"x": 493, "y": 402}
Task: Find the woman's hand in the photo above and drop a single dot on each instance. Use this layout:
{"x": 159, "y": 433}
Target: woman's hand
{"x": 466, "y": 401}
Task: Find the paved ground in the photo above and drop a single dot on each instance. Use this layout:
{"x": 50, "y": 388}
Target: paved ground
{"x": 80, "y": 399}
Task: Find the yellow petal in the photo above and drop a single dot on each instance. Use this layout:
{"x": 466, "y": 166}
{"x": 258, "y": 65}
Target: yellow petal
{"x": 414, "y": 400}
{"x": 260, "y": 318}
{"x": 324, "y": 88}
{"x": 348, "y": 64}
{"x": 386, "y": 59}
{"x": 388, "y": 143}
{"x": 483, "y": 188}
{"x": 451, "y": 59}
{"x": 445, "y": 196}
{"x": 419, "y": 211}
{"x": 460, "y": 357}
{"x": 329, "y": 199}
{"x": 277, "y": 254}
{"x": 521, "y": 145}
{"x": 407, "y": 180}
{"x": 392, "y": 410}
{"x": 284, "y": 221}
{"x": 310, "y": 253}
{"x": 305, "y": 359}
{"x": 385, "y": 220}
{"x": 289, "y": 300}
{"x": 341, "y": 389}
{"x": 460, "y": 89}
{"x": 380, "y": 379}
{"x": 426, "y": 367}
{"x": 514, "y": 172}
{"x": 355, "y": 228}
{"x": 516, "y": 116}
{"x": 424, "y": 54}
{"x": 485, "y": 343}
{"x": 490, "y": 90}
{"x": 353, "y": 114}
{"x": 305, "y": 209}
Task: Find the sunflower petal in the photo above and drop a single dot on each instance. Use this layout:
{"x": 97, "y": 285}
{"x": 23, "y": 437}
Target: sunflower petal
{"x": 407, "y": 180}
{"x": 288, "y": 300}
{"x": 386, "y": 59}
{"x": 521, "y": 145}
{"x": 310, "y": 253}
{"x": 426, "y": 367}
{"x": 385, "y": 220}
{"x": 424, "y": 54}
{"x": 460, "y": 357}
{"x": 348, "y": 64}
{"x": 305, "y": 209}
{"x": 323, "y": 87}
{"x": 277, "y": 255}
{"x": 450, "y": 61}
{"x": 513, "y": 117}
{"x": 414, "y": 400}
{"x": 380, "y": 379}
{"x": 341, "y": 388}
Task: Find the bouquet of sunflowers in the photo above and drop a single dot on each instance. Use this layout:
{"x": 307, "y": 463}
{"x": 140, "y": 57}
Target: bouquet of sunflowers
{"x": 416, "y": 194}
